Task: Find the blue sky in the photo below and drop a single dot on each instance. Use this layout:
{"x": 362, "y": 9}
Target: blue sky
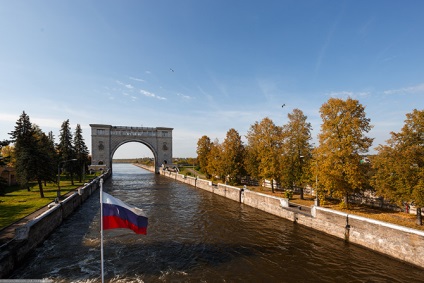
{"x": 233, "y": 63}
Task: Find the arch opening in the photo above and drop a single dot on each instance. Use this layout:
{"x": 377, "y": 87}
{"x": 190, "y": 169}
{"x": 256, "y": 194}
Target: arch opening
{"x": 133, "y": 152}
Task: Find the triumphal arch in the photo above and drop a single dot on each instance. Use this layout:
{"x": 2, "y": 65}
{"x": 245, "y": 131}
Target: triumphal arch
{"x": 106, "y": 139}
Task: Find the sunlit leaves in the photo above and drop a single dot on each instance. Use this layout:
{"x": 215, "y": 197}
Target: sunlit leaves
{"x": 296, "y": 150}
{"x": 233, "y": 153}
{"x": 204, "y": 145}
{"x": 341, "y": 141}
{"x": 265, "y": 141}
{"x": 399, "y": 165}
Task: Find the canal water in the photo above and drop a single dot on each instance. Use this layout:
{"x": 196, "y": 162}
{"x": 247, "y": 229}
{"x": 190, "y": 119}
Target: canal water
{"x": 196, "y": 236}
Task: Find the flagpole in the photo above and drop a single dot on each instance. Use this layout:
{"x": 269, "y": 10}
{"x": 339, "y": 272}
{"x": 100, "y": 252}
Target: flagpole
{"x": 101, "y": 229}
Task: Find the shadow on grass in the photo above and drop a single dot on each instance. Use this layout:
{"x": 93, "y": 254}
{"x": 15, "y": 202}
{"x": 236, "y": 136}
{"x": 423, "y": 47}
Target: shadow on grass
{"x": 11, "y": 213}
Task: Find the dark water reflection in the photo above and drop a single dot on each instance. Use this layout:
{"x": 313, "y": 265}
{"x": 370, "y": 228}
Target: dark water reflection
{"x": 195, "y": 236}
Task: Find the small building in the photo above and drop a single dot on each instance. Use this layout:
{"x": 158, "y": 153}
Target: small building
{"x": 8, "y": 174}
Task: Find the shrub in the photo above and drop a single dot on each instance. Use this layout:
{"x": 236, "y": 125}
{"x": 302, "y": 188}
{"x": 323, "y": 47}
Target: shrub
{"x": 288, "y": 194}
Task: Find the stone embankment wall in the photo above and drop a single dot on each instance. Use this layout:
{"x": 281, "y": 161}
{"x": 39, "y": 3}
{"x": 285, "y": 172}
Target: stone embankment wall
{"x": 33, "y": 233}
{"x": 396, "y": 241}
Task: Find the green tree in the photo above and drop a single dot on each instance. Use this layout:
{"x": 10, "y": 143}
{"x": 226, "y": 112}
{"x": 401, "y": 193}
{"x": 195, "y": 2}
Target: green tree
{"x": 25, "y": 151}
{"x": 204, "y": 146}
{"x": 264, "y": 146}
{"x": 233, "y": 157}
{"x": 342, "y": 140}
{"x": 297, "y": 151}
{"x": 399, "y": 165}
{"x": 81, "y": 152}
{"x": 66, "y": 150}
{"x": 46, "y": 161}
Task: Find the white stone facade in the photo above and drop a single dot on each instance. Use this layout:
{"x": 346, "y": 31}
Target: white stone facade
{"x": 106, "y": 139}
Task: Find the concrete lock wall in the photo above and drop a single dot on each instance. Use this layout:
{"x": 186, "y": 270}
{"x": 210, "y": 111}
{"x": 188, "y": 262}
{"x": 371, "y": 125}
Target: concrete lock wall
{"x": 33, "y": 233}
{"x": 396, "y": 241}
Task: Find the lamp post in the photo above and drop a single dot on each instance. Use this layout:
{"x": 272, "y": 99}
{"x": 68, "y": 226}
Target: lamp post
{"x": 58, "y": 175}
{"x": 301, "y": 171}
{"x": 317, "y": 201}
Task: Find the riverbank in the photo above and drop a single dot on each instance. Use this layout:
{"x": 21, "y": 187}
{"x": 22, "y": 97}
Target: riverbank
{"x": 396, "y": 241}
{"x": 21, "y": 238}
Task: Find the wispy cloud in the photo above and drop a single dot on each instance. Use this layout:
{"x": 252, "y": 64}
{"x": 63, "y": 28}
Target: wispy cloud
{"x": 418, "y": 89}
{"x": 345, "y": 94}
{"x": 128, "y": 86}
{"x": 328, "y": 39}
{"x": 42, "y": 122}
{"x": 184, "y": 96}
{"x": 8, "y": 117}
{"x": 146, "y": 93}
{"x": 137, "y": 79}
{"x": 150, "y": 94}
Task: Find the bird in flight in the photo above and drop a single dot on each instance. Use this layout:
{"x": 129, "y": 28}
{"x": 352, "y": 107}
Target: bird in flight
{"x": 171, "y": 70}
{"x": 283, "y": 105}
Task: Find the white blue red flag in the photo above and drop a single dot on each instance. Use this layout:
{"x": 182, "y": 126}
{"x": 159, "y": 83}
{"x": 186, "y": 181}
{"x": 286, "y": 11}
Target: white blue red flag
{"x": 117, "y": 214}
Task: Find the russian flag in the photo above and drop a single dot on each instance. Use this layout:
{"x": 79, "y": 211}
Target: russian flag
{"x": 117, "y": 214}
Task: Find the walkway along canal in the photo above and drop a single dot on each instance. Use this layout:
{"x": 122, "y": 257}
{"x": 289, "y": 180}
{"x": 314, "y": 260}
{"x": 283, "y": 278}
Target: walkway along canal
{"x": 196, "y": 236}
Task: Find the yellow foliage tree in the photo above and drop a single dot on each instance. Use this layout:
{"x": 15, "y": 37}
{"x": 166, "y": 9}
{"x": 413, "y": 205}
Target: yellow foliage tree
{"x": 342, "y": 140}
{"x": 264, "y": 145}
{"x": 8, "y": 154}
{"x": 296, "y": 151}
{"x": 215, "y": 164}
{"x": 399, "y": 165}
{"x": 204, "y": 145}
{"x": 233, "y": 157}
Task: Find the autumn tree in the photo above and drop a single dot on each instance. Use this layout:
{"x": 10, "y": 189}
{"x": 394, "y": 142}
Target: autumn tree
{"x": 399, "y": 165}
{"x": 81, "y": 152}
{"x": 215, "y": 165}
{"x": 4, "y": 149}
{"x": 264, "y": 146}
{"x": 4, "y": 160}
{"x": 204, "y": 146}
{"x": 296, "y": 149}
{"x": 66, "y": 150}
{"x": 233, "y": 157}
{"x": 250, "y": 162}
{"x": 342, "y": 140}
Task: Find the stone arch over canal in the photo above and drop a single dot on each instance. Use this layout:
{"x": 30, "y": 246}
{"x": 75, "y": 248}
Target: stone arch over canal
{"x": 106, "y": 139}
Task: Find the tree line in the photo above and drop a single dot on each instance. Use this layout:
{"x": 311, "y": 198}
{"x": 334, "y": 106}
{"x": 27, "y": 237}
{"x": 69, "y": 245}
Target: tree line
{"x": 337, "y": 167}
{"x": 36, "y": 157}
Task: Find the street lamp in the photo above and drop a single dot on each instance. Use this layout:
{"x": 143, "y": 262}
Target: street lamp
{"x": 301, "y": 171}
{"x": 58, "y": 175}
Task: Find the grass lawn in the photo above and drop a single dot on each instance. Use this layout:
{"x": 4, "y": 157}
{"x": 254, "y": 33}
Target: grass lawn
{"x": 17, "y": 203}
{"x": 189, "y": 171}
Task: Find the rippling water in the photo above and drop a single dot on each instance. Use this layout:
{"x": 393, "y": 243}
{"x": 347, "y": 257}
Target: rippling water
{"x": 195, "y": 236}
